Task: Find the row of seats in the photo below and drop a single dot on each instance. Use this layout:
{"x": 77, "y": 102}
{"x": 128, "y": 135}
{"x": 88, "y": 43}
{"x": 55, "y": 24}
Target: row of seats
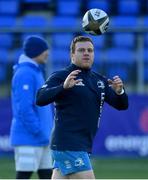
{"x": 122, "y": 40}
{"x": 125, "y": 7}
{"x": 110, "y": 61}
{"x": 55, "y": 22}
{"x": 122, "y": 7}
{"x": 109, "y": 69}
{"x": 14, "y": 7}
{"x": 60, "y": 56}
{"x": 110, "y": 55}
{"x": 125, "y": 40}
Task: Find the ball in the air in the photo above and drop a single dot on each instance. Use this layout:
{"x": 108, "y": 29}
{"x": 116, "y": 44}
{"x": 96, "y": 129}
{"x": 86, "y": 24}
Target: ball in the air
{"x": 95, "y": 22}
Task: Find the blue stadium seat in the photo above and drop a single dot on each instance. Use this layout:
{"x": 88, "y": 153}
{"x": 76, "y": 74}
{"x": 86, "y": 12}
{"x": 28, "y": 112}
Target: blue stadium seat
{"x": 146, "y": 74}
{"x": 4, "y": 56}
{"x": 36, "y": 1}
{"x": 124, "y": 21}
{"x": 65, "y": 7}
{"x": 121, "y": 71}
{"x": 146, "y": 64}
{"x": 64, "y": 22}
{"x": 11, "y": 7}
{"x": 146, "y": 39}
{"x": 57, "y": 67}
{"x": 129, "y": 7}
{"x": 98, "y": 59}
{"x": 99, "y": 41}
{"x": 126, "y": 40}
{"x": 34, "y": 21}
{"x": 15, "y": 55}
{"x": 120, "y": 55}
{"x": 3, "y": 72}
{"x": 60, "y": 56}
{"x": 146, "y": 55}
{"x": 24, "y": 35}
{"x": 120, "y": 61}
{"x": 145, "y": 21}
{"x": 6, "y": 40}
{"x": 61, "y": 40}
{"x": 100, "y": 4}
{"x": 7, "y": 21}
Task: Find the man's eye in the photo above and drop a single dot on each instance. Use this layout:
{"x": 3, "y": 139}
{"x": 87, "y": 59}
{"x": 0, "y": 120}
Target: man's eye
{"x": 81, "y": 50}
{"x": 90, "y": 50}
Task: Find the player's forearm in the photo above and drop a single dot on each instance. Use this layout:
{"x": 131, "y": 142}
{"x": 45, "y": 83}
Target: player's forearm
{"x": 119, "y": 102}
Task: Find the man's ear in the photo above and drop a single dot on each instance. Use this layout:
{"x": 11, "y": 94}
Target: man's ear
{"x": 71, "y": 56}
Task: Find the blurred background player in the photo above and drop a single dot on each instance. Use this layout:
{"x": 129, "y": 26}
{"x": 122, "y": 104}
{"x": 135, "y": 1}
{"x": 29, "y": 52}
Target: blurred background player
{"x": 31, "y": 125}
{"x": 79, "y": 95}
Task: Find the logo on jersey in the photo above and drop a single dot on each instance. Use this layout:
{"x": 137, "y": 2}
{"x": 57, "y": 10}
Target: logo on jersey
{"x": 100, "y": 84}
{"x": 25, "y": 87}
{"x": 80, "y": 84}
{"x": 79, "y": 162}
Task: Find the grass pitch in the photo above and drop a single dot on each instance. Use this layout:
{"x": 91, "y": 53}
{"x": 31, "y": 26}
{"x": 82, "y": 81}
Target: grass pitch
{"x": 104, "y": 168}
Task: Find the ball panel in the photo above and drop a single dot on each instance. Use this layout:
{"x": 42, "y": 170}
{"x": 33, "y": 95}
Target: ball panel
{"x": 95, "y": 22}
{"x": 97, "y": 13}
{"x": 104, "y": 26}
{"x": 85, "y": 21}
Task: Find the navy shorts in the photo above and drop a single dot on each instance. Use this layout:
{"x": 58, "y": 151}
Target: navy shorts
{"x": 71, "y": 161}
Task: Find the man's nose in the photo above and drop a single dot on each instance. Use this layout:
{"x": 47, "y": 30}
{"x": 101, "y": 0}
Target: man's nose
{"x": 86, "y": 52}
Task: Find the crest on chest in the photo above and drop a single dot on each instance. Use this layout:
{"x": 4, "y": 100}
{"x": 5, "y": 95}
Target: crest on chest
{"x": 100, "y": 84}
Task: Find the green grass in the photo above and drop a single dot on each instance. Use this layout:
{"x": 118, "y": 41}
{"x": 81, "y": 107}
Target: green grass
{"x": 120, "y": 168}
{"x": 117, "y": 168}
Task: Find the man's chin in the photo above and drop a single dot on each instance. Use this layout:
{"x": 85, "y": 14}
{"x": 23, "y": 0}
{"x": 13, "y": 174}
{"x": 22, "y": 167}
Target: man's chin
{"x": 43, "y": 62}
{"x": 86, "y": 66}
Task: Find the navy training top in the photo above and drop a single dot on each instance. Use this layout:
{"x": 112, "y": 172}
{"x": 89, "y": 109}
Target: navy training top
{"x": 78, "y": 109}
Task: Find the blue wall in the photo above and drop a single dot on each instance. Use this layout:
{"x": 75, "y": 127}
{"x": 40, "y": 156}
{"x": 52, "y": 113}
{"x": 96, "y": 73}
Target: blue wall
{"x": 121, "y": 133}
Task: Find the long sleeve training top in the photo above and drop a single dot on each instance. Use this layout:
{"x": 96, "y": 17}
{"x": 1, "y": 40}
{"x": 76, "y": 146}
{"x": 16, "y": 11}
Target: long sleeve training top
{"x": 78, "y": 109}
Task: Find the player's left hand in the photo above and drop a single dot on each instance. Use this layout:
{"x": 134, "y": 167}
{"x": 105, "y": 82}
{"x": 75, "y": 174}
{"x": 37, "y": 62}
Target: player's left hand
{"x": 117, "y": 84}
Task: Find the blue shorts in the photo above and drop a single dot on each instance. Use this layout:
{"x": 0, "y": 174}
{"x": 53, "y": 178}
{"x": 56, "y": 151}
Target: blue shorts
{"x": 71, "y": 161}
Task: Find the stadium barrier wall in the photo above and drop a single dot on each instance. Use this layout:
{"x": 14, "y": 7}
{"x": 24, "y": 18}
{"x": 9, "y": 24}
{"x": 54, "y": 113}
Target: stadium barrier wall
{"x": 121, "y": 133}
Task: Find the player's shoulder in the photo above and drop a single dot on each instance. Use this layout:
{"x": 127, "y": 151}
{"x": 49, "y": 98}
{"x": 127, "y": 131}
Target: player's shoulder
{"x": 61, "y": 74}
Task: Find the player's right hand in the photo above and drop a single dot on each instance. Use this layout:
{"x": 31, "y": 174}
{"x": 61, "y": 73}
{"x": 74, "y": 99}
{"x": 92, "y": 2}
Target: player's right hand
{"x": 70, "y": 81}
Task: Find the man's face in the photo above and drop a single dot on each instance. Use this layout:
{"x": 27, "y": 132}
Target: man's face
{"x": 83, "y": 55}
{"x": 42, "y": 58}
